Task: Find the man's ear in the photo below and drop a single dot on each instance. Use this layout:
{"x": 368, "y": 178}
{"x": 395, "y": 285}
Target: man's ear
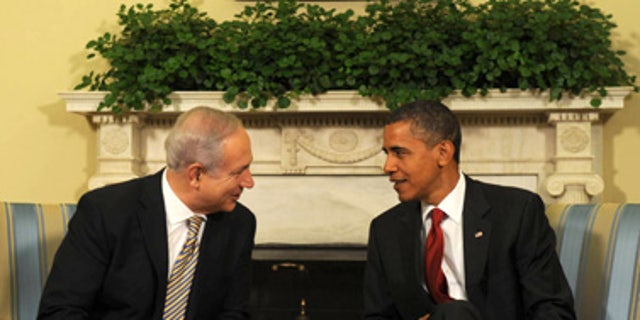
{"x": 194, "y": 173}
{"x": 446, "y": 150}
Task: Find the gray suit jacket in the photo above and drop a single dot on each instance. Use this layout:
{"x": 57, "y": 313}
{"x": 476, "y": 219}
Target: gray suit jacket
{"x": 511, "y": 272}
{"x": 112, "y": 264}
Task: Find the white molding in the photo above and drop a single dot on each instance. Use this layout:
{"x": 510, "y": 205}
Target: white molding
{"x": 341, "y": 101}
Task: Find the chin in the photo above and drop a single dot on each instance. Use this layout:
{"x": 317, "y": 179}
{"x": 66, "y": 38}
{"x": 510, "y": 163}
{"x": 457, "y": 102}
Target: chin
{"x": 405, "y": 198}
{"x": 229, "y": 207}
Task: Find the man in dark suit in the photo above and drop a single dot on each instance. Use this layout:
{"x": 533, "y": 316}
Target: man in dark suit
{"x": 489, "y": 254}
{"x": 126, "y": 241}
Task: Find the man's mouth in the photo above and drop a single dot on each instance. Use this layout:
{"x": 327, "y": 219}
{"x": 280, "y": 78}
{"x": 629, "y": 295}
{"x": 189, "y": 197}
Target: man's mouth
{"x": 397, "y": 183}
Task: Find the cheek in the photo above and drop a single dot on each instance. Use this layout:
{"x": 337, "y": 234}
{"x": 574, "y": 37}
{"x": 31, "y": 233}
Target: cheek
{"x": 216, "y": 189}
{"x": 230, "y": 186}
{"x": 415, "y": 168}
{"x": 422, "y": 176}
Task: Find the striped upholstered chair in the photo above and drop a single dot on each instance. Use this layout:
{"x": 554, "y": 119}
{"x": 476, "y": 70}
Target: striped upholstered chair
{"x": 29, "y": 237}
{"x": 599, "y": 251}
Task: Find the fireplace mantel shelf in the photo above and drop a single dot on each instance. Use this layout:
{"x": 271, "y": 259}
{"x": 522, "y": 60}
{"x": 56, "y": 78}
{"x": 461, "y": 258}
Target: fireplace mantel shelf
{"x": 512, "y": 101}
{"x": 318, "y": 164}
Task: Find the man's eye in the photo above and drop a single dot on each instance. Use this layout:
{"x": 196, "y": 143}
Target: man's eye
{"x": 237, "y": 173}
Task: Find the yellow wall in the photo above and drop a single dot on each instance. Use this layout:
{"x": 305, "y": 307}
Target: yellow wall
{"x": 622, "y": 131}
{"x": 48, "y": 154}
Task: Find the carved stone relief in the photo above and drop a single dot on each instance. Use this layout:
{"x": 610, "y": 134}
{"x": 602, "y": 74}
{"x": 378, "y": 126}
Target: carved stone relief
{"x": 340, "y": 148}
{"x": 574, "y": 179}
{"x": 114, "y": 140}
{"x": 574, "y": 139}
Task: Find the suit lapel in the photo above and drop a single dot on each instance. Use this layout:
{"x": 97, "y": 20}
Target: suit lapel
{"x": 152, "y": 219}
{"x": 211, "y": 245}
{"x": 477, "y": 232}
{"x": 412, "y": 221}
{"x": 411, "y": 255}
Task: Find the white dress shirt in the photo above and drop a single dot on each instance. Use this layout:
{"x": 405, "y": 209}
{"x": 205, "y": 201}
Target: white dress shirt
{"x": 453, "y": 261}
{"x": 178, "y": 215}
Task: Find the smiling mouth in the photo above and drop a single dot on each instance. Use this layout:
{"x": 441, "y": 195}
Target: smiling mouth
{"x": 397, "y": 183}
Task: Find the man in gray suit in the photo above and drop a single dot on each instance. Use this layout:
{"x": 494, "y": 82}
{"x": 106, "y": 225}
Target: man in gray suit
{"x": 489, "y": 254}
{"x": 180, "y": 230}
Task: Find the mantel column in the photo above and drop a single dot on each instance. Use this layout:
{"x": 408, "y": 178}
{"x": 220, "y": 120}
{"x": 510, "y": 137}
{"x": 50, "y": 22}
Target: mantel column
{"x": 118, "y": 148}
{"x": 574, "y": 180}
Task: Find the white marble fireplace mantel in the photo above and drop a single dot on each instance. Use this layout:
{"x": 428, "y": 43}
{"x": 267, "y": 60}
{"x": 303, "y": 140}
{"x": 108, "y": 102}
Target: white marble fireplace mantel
{"x": 318, "y": 164}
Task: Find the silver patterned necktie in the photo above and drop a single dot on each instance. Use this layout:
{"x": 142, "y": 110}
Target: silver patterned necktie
{"x": 179, "y": 287}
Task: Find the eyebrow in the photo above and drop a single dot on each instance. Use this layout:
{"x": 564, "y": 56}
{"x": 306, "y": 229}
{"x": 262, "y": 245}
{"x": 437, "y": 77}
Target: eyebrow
{"x": 394, "y": 149}
{"x": 240, "y": 169}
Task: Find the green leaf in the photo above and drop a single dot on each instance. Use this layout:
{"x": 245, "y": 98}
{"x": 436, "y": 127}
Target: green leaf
{"x": 110, "y": 99}
{"x": 230, "y": 95}
{"x": 283, "y": 102}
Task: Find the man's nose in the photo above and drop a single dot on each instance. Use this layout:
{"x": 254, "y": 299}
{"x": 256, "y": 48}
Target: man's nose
{"x": 247, "y": 180}
{"x": 389, "y": 165}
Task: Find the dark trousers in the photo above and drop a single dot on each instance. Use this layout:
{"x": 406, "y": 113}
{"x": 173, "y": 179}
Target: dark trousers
{"x": 456, "y": 310}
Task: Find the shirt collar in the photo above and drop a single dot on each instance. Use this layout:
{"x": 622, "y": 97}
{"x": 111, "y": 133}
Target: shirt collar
{"x": 452, "y": 203}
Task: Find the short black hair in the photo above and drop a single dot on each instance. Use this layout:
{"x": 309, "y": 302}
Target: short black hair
{"x": 432, "y": 121}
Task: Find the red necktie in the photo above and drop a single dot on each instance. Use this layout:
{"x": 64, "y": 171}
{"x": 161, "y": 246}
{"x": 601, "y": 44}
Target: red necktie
{"x": 433, "y": 253}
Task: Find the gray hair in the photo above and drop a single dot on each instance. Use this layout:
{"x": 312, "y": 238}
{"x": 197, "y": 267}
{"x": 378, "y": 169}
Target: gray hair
{"x": 197, "y": 137}
{"x": 432, "y": 122}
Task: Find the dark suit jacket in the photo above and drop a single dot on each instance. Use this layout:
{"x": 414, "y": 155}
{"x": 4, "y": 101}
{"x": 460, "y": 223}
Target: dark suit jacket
{"x": 511, "y": 271}
{"x": 112, "y": 264}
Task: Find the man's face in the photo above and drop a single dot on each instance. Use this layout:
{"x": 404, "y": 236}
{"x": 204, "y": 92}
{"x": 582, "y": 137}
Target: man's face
{"x": 221, "y": 188}
{"x": 411, "y": 165}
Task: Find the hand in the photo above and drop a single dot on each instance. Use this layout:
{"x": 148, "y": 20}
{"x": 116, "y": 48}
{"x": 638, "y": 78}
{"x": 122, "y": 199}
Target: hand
{"x": 425, "y": 317}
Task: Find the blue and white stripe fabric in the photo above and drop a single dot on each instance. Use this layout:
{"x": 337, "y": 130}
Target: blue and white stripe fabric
{"x": 29, "y": 237}
{"x": 598, "y": 245}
